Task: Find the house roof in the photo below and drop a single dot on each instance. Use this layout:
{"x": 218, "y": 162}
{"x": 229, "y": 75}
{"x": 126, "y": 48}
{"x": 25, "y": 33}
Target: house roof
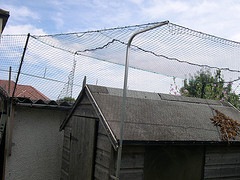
{"x": 156, "y": 117}
{"x": 23, "y": 91}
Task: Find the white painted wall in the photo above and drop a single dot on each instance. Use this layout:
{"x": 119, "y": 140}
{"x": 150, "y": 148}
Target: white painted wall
{"x": 36, "y": 145}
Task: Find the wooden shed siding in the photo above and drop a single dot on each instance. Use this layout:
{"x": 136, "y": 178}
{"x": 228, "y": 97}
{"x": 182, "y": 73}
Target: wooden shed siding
{"x": 132, "y": 164}
{"x": 103, "y": 143}
{"x": 64, "y": 175}
{"x": 65, "y": 166}
{"x": 85, "y": 109}
{"x": 222, "y": 162}
{"x": 136, "y": 174}
{"x": 79, "y": 143}
{"x": 104, "y": 160}
{"x": 66, "y": 142}
{"x": 101, "y": 173}
{"x": 82, "y": 148}
{"x": 66, "y": 155}
{"x": 66, "y": 151}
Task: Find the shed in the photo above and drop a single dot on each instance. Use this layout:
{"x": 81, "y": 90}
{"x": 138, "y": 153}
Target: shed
{"x": 165, "y": 137}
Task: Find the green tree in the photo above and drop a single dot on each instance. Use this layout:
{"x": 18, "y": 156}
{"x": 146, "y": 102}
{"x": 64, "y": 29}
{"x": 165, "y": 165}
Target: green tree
{"x": 207, "y": 86}
{"x": 67, "y": 99}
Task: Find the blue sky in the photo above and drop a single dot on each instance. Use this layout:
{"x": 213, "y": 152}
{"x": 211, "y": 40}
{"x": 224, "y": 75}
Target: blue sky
{"x": 217, "y": 17}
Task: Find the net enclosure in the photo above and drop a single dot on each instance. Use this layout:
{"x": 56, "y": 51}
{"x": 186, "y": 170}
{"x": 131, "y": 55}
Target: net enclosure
{"x": 159, "y": 59}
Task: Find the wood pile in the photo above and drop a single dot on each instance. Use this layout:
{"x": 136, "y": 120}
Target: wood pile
{"x": 229, "y": 128}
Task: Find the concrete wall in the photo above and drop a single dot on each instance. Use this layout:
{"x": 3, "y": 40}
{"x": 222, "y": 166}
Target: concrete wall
{"x": 36, "y": 145}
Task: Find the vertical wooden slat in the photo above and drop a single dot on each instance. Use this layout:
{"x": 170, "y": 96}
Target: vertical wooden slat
{"x": 82, "y": 148}
{"x": 104, "y": 161}
{"x": 66, "y": 151}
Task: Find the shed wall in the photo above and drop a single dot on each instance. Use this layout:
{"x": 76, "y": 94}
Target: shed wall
{"x": 174, "y": 162}
{"x": 36, "y": 144}
{"x": 79, "y": 143}
{"x": 66, "y": 151}
{"x": 132, "y": 164}
{"x": 222, "y": 163}
{"x": 104, "y": 161}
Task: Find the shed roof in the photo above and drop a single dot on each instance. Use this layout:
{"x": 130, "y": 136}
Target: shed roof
{"x": 156, "y": 117}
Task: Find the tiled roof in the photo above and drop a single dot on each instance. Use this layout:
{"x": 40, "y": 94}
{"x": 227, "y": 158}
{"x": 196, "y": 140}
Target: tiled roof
{"x": 23, "y": 91}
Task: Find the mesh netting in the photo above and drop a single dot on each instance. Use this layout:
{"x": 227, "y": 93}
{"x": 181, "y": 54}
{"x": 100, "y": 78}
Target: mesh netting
{"x": 159, "y": 59}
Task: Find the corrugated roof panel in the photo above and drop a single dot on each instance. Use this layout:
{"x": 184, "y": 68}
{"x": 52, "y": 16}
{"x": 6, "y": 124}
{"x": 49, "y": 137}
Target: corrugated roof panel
{"x": 159, "y": 120}
{"x": 134, "y": 94}
{"x": 189, "y": 99}
{"x": 166, "y": 118}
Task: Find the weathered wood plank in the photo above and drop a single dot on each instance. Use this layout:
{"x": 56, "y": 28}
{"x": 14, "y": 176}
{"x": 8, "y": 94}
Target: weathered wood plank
{"x": 82, "y": 148}
{"x": 101, "y": 129}
{"x": 220, "y": 159}
{"x": 101, "y": 173}
{"x": 67, "y": 131}
{"x": 66, "y": 142}
{"x": 65, "y": 165}
{"x": 136, "y": 174}
{"x": 66, "y": 154}
{"x": 85, "y": 100}
{"x": 104, "y": 143}
{"x": 64, "y": 175}
{"x": 103, "y": 158}
{"x": 224, "y": 171}
{"x": 133, "y": 157}
{"x": 132, "y": 160}
{"x": 222, "y": 162}
{"x": 85, "y": 110}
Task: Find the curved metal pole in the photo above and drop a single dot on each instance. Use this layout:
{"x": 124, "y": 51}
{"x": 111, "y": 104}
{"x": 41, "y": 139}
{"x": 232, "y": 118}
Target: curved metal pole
{"x": 123, "y": 115}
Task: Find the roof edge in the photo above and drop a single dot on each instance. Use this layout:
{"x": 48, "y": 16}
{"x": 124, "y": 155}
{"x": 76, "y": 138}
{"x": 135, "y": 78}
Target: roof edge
{"x": 63, "y": 124}
{"x": 86, "y": 91}
{"x": 105, "y": 124}
{"x": 197, "y": 143}
{"x": 65, "y": 121}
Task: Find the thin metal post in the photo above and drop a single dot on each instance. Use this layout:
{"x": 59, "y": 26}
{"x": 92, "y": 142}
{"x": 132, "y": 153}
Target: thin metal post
{"x": 20, "y": 66}
{"x": 123, "y": 113}
{"x": 9, "y": 80}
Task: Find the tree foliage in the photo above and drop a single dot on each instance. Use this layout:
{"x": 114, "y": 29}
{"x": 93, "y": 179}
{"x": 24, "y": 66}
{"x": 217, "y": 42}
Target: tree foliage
{"x": 208, "y": 86}
{"x": 67, "y": 99}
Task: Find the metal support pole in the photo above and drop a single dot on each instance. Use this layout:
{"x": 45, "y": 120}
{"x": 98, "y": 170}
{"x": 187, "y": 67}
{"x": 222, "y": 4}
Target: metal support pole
{"x": 9, "y": 80}
{"x": 123, "y": 114}
{"x": 20, "y": 66}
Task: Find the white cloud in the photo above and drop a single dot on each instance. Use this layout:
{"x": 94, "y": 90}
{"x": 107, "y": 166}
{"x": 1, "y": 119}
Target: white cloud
{"x": 138, "y": 2}
{"x": 21, "y": 13}
{"x": 59, "y": 20}
{"x": 22, "y": 29}
{"x": 157, "y": 9}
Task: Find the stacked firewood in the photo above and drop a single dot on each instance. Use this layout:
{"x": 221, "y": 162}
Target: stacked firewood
{"x": 229, "y": 128}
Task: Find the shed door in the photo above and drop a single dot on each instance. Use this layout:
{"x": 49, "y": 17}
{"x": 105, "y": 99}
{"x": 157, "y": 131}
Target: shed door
{"x": 82, "y": 140}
